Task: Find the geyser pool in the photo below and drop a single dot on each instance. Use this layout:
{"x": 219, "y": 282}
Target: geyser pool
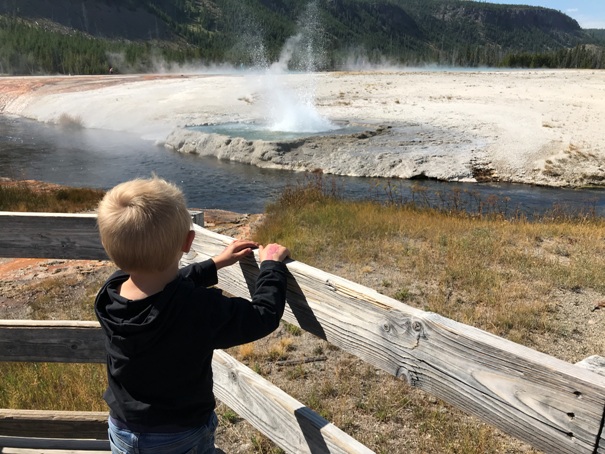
{"x": 259, "y": 131}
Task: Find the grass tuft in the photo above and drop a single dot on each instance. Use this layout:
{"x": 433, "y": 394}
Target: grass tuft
{"x": 21, "y": 197}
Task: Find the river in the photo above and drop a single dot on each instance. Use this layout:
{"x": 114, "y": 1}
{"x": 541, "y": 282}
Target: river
{"x": 101, "y": 159}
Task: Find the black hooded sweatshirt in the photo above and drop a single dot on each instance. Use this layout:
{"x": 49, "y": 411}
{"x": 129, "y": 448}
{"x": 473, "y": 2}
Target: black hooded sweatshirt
{"x": 159, "y": 349}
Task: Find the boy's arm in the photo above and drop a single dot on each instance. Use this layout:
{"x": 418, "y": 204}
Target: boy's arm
{"x": 203, "y": 274}
{"x": 244, "y": 321}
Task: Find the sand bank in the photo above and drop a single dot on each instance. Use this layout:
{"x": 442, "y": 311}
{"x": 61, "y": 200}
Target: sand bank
{"x": 538, "y": 127}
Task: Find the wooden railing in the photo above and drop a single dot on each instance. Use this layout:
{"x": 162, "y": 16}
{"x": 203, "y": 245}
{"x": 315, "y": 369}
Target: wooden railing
{"x": 553, "y": 405}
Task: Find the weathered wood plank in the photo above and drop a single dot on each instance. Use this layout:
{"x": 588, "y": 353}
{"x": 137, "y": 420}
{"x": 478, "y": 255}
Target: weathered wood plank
{"x": 53, "y": 424}
{"x": 551, "y": 404}
{"x": 594, "y": 363}
{"x": 50, "y": 235}
{"x": 43, "y": 444}
{"x": 50, "y": 451}
{"x": 273, "y": 412}
{"x": 55, "y": 235}
{"x": 71, "y": 342}
{"x": 293, "y": 427}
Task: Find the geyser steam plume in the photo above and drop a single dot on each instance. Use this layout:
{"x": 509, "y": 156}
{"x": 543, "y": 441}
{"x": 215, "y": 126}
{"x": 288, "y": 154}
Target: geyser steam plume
{"x": 293, "y": 110}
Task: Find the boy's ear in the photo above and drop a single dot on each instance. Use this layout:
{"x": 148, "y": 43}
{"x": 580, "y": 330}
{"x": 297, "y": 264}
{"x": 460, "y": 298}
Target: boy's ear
{"x": 188, "y": 241}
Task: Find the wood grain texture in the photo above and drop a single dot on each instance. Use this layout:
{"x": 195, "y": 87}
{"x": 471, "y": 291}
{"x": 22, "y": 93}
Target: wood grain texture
{"x": 553, "y": 405}
{"x": 55, "y": 235}
{"x": 43, "y": 445}
{"x": 294, "y": 427}
{"x": 53, "y": 424}
{"x": 64, "y": 342}
{"x": 50, "y": 235}
{"x": 279, "y": 416}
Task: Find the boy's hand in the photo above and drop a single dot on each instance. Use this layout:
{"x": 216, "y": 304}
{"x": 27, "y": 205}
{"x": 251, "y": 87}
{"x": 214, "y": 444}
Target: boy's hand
{"x": 273, "y": 251}
{"x": 233, "y": 253}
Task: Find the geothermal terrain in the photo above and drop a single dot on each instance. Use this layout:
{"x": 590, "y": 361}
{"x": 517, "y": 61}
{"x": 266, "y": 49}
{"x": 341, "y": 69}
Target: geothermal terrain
{"x": 537, "y": 127}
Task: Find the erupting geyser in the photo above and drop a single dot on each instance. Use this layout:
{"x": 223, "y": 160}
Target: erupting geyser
{"x": 284, "y": 112}
{"x": 293, "y": 110}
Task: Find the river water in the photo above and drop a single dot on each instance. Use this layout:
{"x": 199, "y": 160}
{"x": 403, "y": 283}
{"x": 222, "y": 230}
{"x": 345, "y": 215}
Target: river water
{"x": 101, "y": 159}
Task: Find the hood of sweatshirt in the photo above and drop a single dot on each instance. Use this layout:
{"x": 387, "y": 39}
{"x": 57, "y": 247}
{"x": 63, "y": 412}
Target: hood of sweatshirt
{"x": 134, "y": 326}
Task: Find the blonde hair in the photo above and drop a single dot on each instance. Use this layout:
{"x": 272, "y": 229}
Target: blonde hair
{"x": 143, "y": 224}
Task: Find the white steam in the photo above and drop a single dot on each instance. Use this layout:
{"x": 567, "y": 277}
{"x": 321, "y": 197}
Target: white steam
{"x": 289, "y": 108}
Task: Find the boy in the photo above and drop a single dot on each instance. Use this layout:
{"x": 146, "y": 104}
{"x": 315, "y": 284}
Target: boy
{"x": 162, "y": 323}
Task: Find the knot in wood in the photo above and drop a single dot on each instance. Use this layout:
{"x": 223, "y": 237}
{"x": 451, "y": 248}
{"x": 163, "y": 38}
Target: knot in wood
{"x": 232, "y": 376}
{"x": 386, "y": 327}
{"x": 417, "y": 326}
{"x": 330, "y": 285}
{"x": 408, "y": 375}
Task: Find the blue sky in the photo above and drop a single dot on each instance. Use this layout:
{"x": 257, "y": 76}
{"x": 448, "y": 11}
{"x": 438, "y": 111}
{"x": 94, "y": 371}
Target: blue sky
{"x": 588, "y": 13}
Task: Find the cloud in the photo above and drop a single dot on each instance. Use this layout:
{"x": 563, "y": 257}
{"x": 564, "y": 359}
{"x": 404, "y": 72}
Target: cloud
{"x": 572, "y": 10}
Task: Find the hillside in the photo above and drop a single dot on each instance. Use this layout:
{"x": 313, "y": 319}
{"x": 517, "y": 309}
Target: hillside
{"x": 253, "y": 32}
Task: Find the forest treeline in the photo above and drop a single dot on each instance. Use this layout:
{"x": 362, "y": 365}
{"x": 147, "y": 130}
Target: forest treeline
{"x": 90, "y": 36}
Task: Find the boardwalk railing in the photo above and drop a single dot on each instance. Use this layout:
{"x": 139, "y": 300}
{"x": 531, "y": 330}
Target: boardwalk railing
{"x": 553, "y": 405}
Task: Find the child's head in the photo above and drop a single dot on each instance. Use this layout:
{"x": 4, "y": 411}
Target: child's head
{"x": 143, "y": 224}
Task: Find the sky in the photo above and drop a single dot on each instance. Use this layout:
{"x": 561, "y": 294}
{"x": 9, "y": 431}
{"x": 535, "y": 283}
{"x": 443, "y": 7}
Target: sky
{"x": 588, "y": 13}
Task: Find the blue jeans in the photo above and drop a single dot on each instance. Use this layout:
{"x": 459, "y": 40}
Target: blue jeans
{"x": 194, "y": 441}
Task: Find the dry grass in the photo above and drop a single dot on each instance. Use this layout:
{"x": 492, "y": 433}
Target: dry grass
{"x": 18, "y": 196}
{"x": 69, "y": 297}
{"x": 52, "y": 386}
{"x": 489, "y": 272}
